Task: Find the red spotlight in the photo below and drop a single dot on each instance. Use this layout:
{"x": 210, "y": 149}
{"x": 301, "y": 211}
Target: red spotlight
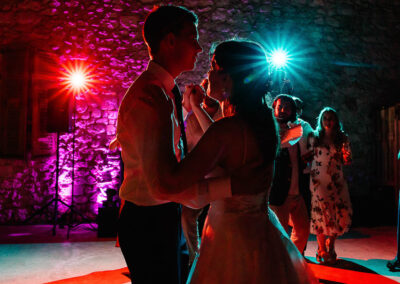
{"x": 77, "y": 80}
{"x": 76, "y": 77}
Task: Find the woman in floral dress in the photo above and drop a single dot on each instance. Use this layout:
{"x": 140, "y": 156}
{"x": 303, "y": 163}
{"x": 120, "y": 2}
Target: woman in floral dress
{"x": 331, "y": 210}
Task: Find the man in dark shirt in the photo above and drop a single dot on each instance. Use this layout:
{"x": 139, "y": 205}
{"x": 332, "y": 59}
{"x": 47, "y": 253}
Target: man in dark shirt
{"x": 289, "y": 193}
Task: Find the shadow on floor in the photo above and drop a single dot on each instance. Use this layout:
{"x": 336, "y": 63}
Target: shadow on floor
{"x": 350, "y": 265}
{"x": 345, "y": 271}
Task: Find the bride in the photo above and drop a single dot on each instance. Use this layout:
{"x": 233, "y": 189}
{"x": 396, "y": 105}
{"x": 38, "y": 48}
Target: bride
{"x": 242, "y": 241}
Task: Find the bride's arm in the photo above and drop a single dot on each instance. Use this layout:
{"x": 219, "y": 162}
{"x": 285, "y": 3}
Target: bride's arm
{"x": 208, "y": 153}
{"x": 217, "y": 146}
{"x": 202, "y": 117}
{"x": 196, "y": 98}
{"x": 184, "y": 182}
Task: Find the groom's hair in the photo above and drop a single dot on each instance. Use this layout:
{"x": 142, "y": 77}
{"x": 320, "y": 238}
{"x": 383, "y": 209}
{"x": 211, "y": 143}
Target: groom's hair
{"x": 164, "y": 20}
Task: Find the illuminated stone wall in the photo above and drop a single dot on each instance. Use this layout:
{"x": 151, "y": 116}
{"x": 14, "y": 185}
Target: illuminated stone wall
{"x": 343, "y": 55}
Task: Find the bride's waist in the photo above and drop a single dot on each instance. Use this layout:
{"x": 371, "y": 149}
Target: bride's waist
{"x": 246, "y": 204}
{"x": 243, "y": 210}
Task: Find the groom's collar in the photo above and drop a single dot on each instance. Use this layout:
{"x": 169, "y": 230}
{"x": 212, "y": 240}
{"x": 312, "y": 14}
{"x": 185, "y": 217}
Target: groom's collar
{"x": 165, "y": 78}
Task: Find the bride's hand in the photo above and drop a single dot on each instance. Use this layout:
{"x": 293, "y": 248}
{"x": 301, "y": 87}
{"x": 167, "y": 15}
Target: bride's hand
{"x": 196, "y": 96}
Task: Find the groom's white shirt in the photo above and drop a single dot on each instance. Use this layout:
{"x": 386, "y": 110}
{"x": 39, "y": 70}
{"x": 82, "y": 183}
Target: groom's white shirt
{"x": 138, "y": 136}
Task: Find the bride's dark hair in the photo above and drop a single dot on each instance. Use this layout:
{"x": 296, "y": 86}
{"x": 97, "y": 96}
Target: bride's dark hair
{"x": 246, "y": 63}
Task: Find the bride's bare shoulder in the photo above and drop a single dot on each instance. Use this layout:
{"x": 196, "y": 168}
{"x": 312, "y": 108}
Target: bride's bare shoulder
{"x": 227, "y": 124}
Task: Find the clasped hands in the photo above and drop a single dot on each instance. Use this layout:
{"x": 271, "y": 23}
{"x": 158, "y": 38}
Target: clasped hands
{"x": 193, "y": 96}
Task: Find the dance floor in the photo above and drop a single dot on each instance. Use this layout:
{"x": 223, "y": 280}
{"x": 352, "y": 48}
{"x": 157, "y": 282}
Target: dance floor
{"x": 31, "y": 254}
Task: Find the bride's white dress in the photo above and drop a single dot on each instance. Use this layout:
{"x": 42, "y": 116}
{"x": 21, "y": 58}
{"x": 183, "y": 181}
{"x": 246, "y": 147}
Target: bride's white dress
{"x": 243, "y": 242}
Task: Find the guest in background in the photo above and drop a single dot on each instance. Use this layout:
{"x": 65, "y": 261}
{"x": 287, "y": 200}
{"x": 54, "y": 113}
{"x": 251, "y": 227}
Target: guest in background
{"x": 331, "y": 210}
{"x": 290, "y": 192}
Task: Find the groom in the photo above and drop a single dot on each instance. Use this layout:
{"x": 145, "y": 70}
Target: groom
{"x": 149, "y": 226}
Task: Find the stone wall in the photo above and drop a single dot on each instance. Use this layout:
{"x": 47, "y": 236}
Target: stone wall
{"x": 344, "y": 55}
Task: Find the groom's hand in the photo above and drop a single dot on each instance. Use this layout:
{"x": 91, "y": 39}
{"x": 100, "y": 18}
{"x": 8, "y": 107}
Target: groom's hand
{"x": 186, "y": 98}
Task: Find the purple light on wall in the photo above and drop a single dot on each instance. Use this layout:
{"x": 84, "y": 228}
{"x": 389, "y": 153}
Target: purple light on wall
{"x": 19, "y": 234}
{"x": 106, "y": 176}
{"x": 65, "y": 171}
{"x": 101, "y": 188}
{"x": 86, "y": 166}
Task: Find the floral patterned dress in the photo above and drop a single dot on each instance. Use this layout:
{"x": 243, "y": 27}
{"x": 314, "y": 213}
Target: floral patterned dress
{"x": 331, "y": 210}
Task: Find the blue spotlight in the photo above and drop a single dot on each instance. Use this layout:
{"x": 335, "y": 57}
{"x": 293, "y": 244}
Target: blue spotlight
{"x": 279, "y": 58}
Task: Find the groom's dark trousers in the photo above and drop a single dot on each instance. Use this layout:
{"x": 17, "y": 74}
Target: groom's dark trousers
{"x": 149, "y": 238}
